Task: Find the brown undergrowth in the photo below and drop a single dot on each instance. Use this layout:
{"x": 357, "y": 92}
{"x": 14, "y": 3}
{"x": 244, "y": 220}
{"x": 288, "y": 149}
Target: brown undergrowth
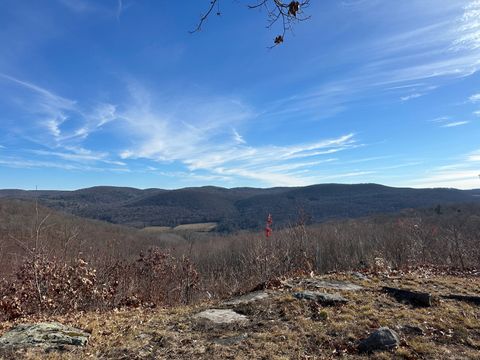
{"x": 282, "y": 327}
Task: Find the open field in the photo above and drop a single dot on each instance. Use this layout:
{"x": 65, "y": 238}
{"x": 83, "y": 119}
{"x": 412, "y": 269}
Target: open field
{"x": 197, "y": 227}
{"x": 200, "y": 227}
{"x": 156, "y": 229}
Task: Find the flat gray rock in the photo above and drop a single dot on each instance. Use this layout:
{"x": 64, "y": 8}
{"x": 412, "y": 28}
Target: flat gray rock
{"x": 323, "y": 298}
{"x": 247, "y": 298}
{"x": 381, "y": 339}
{"x": 47, "y": 335}
{"x": 221, "y": 316}
{"x": 332, "y": 284}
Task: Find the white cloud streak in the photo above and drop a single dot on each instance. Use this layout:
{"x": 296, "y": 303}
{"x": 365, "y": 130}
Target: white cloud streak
{"x": 440, "y": 119}
{"x": 89, "y": 7}
{"x": 408, "y": 64}
{"x": 238, "y": 138}
{"x": 21, "y": 163}
{"x": 474, "y": 98}
{"x": 80, "y": 155}
{"x": 463, "y": 174}
{"x": 411, "y": 96}
{"x": 50, "y": 99}
{"x": 65, "y": 124}
{"x": 455, "y": 124}
{"x": 52, "y": 111}
{"x": 200, "y": 134}
{"x": 119, "y": 9}
{"x": 78, "y": 6}
{"x": 205, "y": 139}
{"x": 474, "y": 156}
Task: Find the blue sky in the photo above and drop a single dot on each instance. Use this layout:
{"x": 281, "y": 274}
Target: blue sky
{"x": 110, "y": 92}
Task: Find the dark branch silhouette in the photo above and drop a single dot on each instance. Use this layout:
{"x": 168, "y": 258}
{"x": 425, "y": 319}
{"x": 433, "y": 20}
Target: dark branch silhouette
{"x": 287, "y": 13}
{"x": 206, "y": 15}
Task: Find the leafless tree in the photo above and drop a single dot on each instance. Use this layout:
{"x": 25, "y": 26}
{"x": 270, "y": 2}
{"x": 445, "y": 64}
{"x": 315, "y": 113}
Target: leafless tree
{"x": 286, "y": 13}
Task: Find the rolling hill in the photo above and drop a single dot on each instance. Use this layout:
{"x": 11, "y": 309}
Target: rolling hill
{"x": 239, "y": 208}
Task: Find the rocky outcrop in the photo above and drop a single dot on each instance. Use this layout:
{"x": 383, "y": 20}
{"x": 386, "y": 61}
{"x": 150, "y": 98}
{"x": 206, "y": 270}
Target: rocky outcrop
{"x": 46, "y": 335}
{"x": 331, "y": 284}
{"x": 320, "y": 297}
{"x": 381, "y": 339}
{"x": 221, "y": 317}
{"x": 247, "y": 298}
{"x": 412, "y": 297}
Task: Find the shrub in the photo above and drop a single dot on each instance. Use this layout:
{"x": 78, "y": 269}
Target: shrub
{"x": 51, "y": 286}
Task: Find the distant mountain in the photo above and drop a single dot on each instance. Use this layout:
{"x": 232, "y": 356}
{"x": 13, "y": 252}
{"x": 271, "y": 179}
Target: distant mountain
{"x": 239, "y": 208}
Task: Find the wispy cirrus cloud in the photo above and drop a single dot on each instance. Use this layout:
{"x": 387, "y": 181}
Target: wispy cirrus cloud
{"x": 22, "y": 163}
{"x": 122, "y": 6}
{"x": 56, "y": 124}
{"x": 474, "y": 98}
{"x": 49, "y": 109}
{"x": 49, "y": 99}
{"x": 200, "y": 134}
{"x": 411, "y": 96}
{"x": 238, "y": 138}
{"x": 464, "y": 173}
{"x": 455, "y": 124}
{"x": 79, "y": 155}
{"x": 299, "y": 125}
{"x": 405, "y": 64}
{"x": 446, "y": 122}
{"x": 470, "y": 27}
{"x": 86, "y": 7}
{"x": 474, "y": 156}
{"x": 460, "y": 179}
{"x": 440, "y": 119}
{"x": 205, "y": 138}
{"x": 79, "y": 6}
{"x": 53, "y": 112}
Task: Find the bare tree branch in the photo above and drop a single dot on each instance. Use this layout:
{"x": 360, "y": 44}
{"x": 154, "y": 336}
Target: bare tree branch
{"x": 290, "y": 13}
{"x": 206, "y": 15}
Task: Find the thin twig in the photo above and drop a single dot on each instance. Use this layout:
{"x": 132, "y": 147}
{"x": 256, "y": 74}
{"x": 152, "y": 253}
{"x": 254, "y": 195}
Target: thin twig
{"x": 204, "y": 16}
{"x": 290, "y": 12}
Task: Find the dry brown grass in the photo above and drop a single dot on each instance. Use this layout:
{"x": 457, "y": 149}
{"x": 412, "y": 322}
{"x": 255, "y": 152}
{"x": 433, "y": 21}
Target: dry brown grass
{"x": 282, "y": 327}
{"x": 156, "y": 229}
